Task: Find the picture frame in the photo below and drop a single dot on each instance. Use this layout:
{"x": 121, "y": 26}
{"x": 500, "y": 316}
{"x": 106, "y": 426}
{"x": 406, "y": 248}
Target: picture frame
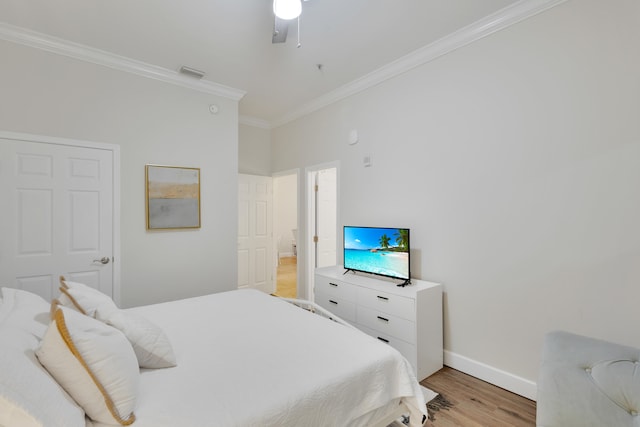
{"x": 172, "y": 197}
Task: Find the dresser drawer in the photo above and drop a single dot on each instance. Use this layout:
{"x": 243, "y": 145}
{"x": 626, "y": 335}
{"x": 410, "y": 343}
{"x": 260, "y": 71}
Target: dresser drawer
{"x": 387, "y": 324}
{"x": 388, "y": 303}
{"x": 406, "y": 349}
{"x": 335, "y": 288}
{"x": 388, "y": 313}
{"x": 344, "y": 309}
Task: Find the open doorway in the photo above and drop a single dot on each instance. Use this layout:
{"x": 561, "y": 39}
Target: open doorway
{"x": 322, "y": 209}
{"x": 285, "y": 231}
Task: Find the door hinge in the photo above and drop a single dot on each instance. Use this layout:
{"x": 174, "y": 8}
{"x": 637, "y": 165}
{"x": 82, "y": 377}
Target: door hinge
{"x": 316, "y": 188}
{"x": 315, "y": 239}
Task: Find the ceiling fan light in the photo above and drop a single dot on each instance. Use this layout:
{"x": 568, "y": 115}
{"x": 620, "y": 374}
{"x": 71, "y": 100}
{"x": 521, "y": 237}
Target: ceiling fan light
{"x": 287, "y": 9}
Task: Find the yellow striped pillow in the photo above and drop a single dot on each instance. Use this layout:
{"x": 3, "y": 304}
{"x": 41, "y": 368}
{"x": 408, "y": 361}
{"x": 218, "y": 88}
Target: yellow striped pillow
{"x": 86, "y": 299}
{"x": 94, "y": 363}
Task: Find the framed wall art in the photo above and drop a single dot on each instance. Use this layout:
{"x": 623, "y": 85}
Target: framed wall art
{"x": 173, "y": 197}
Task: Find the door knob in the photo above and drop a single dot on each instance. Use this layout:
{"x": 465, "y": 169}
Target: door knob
{"x": 103, "y": 260}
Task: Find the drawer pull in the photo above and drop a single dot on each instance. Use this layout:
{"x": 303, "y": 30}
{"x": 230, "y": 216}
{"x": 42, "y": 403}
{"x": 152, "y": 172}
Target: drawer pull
{"x": 333, "y": 284}
{"x": 383, "y": 340}
{"x": 383, "y": 318}
{"x": 383, "y": 298}
{"x": 333, "y": 302}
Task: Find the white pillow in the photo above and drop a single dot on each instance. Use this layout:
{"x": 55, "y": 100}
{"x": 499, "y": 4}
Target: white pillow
{"x": 86, "y": 300}
{"x": 13, "y": 415}
{"x": 23, "y": 310}
{"x": 29, "y": 396}
{"x": 94, "y": 363}
{"x": 151, "y": 345}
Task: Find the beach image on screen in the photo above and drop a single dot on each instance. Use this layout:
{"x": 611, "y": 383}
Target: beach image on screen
{"x": 382, "y": 251}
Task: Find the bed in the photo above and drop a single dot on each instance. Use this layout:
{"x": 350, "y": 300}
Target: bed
{"x": 243, "y": 358}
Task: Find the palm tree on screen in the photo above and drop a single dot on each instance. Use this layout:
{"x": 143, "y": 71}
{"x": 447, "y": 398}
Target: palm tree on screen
{"x": 402, "y": 238}
{"x": 384, "y": 241}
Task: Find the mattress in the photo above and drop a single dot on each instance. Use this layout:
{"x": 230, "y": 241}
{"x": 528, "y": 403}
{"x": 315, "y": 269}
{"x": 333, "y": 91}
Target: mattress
{"x": 246, "y": 358}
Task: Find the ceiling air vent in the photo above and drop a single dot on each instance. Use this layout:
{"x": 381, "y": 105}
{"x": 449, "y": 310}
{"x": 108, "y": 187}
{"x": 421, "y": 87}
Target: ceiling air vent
{"x": 191, "y": 72}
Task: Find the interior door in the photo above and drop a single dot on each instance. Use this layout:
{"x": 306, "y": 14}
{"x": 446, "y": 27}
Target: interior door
{"x": 255, "y": 233}
{"x": 326, "y": 212}
{"x": 56, "y": 216}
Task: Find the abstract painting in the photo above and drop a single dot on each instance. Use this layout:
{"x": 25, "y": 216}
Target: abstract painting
{"x": 173, "y": 197}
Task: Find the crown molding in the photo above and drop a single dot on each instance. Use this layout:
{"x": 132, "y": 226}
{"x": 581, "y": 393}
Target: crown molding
{"x": 59, "y": 46}
{"x": 255, "y": 122}
{"x": 500, "y": 20}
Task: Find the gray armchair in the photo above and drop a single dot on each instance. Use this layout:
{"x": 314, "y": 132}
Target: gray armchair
{"x": 587, "y": 382}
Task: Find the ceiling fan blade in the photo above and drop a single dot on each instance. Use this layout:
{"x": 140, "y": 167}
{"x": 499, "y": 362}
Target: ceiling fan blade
{"x": 280, "y": 30}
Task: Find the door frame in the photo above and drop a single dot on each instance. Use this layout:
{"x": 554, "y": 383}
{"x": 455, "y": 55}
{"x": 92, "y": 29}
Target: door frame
{"x": 299, "y": 287}
{"x": 115, "y": 150}
{"x": 310, "y": 221}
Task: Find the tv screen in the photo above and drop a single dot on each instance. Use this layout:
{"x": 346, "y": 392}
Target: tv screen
{"x": 377, "y": 250}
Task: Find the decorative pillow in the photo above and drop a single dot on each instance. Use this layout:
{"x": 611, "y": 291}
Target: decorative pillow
{"x": 29, "y": 396}
{"x": 23, "y": 310}
{"x": 94, "y": 363}
{"x": 619, "y": 380}
{"x": 86, "y": 300}
{"x": 12, "y": 415}
{"x": 151, "y": 345}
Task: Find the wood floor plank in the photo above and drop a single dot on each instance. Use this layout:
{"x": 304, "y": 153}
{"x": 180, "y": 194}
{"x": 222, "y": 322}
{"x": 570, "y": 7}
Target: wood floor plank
{"x": 477, "y": 403}
{"x": 286, "y": 279}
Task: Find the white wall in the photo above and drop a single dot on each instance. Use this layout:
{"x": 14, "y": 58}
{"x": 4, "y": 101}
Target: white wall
{"x": 153, "y": 122}
{"x": 515, "y": 161}
{"x": 285, "y": 211}
{"x": 254, "y": 150}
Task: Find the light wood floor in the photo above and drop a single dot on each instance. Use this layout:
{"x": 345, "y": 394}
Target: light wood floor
{"x": 477, "y": 403}
{"x": 286, "y": 282}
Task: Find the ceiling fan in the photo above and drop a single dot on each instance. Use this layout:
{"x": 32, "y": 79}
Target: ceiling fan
{"x": 284, "y": 12}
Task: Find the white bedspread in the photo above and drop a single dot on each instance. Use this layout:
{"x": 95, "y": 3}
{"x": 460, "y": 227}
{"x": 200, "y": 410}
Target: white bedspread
{"x": 249, "y": 359}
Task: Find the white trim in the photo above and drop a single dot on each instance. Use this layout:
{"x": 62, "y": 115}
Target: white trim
{"x": 254, "y": 121}
{"x": 117, "y": 259}
{"x": 59, "y": 46}
{"x": 500, "y": 20}
{"x": 56, "y": 140}
{"x": 309, "y": 256}
{"x": 492, "y": 375}
{"x": 309, "y": 199}
{"x": 299, "y": 204}
{"x": 115, "y": 149}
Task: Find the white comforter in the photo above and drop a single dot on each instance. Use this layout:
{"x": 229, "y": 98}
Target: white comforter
{"x": 249, "y": 359}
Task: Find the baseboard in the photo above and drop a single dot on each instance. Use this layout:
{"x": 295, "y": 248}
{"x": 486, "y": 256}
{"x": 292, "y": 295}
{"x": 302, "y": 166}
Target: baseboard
{"x": 285, "y": 254}
{"x": 495, "y": 376}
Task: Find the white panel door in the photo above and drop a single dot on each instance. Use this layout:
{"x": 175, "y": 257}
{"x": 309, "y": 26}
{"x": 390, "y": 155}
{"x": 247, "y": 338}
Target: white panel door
{"x": 255, "y": 235}
{"x": 326, "y": 212}
{"x": 56, "y": 216}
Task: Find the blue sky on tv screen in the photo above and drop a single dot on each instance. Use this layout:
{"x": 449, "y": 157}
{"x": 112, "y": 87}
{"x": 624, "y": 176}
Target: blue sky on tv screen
{"x": 367, "y": 238}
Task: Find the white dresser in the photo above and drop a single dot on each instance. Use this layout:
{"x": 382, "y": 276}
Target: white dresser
{"x": 407, "y": 318}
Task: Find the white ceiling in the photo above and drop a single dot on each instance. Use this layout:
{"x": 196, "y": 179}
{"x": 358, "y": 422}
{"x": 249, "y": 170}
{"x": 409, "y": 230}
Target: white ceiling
{"x": 230, "y": 40}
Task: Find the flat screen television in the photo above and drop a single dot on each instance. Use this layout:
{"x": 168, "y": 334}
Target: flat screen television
{"x": 377, "y": 250}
